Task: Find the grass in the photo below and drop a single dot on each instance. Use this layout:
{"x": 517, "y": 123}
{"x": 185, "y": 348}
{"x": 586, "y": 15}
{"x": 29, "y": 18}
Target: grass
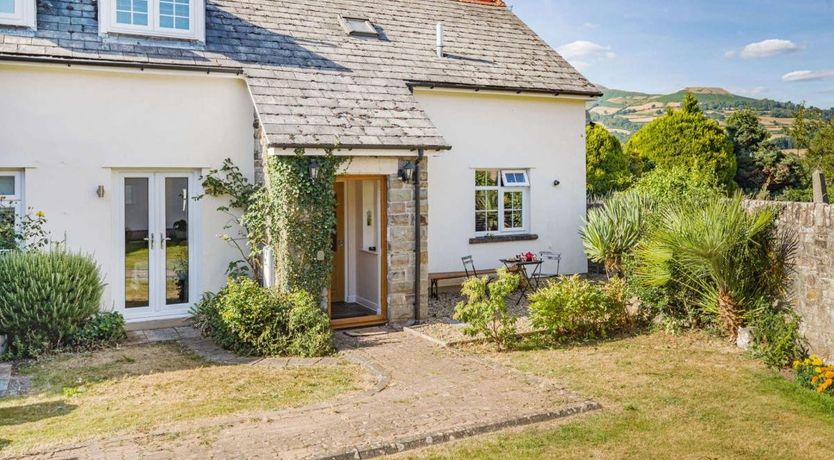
{"x": 687, "y": 396}
{"x": 136, "y": 389}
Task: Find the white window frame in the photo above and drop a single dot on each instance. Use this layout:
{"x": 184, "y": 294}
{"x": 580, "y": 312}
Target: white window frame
{"x": 25, "y": 14}
{"x": 197, "y": 22}
{"x": 525, "y": 183}
{"x": 15, "y": 201}
{"x": 503, "y": 189}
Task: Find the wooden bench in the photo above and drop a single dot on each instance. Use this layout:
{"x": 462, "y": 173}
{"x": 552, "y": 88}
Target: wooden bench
{"x": 435, "y": 277}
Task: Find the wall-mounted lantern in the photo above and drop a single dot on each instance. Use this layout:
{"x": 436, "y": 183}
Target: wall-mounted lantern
{"x": 100, "y": 191}
{"x": 556, "y": 183}
{"x": 313, "y": 168}
{"x": 407, "y": 172}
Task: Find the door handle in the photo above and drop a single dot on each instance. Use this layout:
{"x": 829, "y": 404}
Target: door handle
{"x": 150, "y": 240}
{"x": 163, "y": 241}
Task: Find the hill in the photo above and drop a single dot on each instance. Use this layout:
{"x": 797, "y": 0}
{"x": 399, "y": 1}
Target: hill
{"x": 624, "y": 112}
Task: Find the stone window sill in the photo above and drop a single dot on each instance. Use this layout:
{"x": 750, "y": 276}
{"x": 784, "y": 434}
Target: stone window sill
{"x": 503, "y": 238}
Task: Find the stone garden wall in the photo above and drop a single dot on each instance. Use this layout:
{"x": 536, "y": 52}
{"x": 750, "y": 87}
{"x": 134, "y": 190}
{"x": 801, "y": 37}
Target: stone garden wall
{"x": 813, "y": 291}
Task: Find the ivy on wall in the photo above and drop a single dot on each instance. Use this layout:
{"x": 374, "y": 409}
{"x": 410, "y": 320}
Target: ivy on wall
{"x": 303, "y": 219}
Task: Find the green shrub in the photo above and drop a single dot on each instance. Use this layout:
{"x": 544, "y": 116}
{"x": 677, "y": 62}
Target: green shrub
{"x": 45, "y": 297}
{"x": 776, "y": 337}
{"x": 102, "y": 330}
{"x": 485, "y": 312}
{"x": 688, "y": 139}
{"x": 613, "y": 230}
{"x": 574, "y": 306}
{"x": 249, "y": 319}
{"x": 677, "y": 184}
{"x": 724, "y": 267}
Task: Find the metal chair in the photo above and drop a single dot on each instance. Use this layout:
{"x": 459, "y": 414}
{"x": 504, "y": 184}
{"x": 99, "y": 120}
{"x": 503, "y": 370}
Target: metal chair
{"x": 548, "y": 256}
{"x": 469, "y": 266}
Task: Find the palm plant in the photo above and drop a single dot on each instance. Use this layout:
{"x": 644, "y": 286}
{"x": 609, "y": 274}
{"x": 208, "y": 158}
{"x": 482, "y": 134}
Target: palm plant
{"x": 728, "y": 257}
{"x": 614, "y": 229}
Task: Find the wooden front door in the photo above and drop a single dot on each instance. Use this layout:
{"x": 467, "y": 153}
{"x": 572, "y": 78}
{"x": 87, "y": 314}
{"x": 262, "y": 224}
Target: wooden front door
{"x": 337, "y": 286}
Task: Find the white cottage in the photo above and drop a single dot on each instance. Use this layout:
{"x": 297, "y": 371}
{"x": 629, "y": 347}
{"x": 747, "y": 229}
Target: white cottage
{"x": 111, "y": 110}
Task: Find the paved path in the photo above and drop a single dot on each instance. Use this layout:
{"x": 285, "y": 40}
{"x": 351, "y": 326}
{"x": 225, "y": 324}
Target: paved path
{"x": 424, "y": 394}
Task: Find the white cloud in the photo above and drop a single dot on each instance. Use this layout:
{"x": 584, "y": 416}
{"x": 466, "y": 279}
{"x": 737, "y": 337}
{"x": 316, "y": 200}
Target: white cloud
{"x": 590, "y": 25}
{"x": 768, "y": 48}
{"x": 729, "y": 54}
{"x": 582, "y": 53}
{"x": 805, "y": 75}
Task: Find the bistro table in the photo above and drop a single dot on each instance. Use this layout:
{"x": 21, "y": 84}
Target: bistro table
{"x": 521, "y": 266}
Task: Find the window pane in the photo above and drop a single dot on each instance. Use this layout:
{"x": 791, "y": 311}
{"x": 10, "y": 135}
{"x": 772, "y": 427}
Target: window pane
{"x": 486, "y": 178}
{"x": 486, "y": 200}
{"x": 137, "y": 252}
{"x": 7, "y": 184}
{"x": 7, "y": 6}
{"x": 513, "y": 210}
{"x": 174, "y": 14}
{"x": 176, "y": 234}
{"x": 7, "y": 228}
{"x": 133, "y": 12}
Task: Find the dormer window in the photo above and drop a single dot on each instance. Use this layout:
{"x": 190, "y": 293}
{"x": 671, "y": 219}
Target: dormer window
{"x": 154, "y": 18}
{"x": 358, "y": 26}
{"x": 18, "y": 13}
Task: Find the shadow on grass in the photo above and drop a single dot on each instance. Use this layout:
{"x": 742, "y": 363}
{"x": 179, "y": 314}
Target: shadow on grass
{"x": 63, "y": 373}
{"x": 18, "y": 415}
{"x": 548, "y": 341}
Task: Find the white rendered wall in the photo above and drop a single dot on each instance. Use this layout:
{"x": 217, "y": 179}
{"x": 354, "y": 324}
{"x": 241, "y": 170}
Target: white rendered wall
{"x": 489, "y": 131}
{"x": 72, "y": 129}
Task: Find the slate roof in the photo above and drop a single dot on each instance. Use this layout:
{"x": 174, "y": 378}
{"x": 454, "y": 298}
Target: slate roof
{"x": 312, "y": 84}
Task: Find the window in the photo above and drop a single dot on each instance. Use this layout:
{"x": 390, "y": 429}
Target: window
{"x": 18, "y": 13}
{"x": 358, "y": 26}
{"x": 501, "y": 201}
{"x": 11, "y": 207}
{"x": 159, "y": 18}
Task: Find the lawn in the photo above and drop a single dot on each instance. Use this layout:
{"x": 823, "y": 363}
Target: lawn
{"x": 687, "y": 396}
{"x": 136, "y": 389}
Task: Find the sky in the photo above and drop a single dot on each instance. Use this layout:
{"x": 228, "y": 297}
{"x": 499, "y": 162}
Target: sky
{"x": 782, "y": 50}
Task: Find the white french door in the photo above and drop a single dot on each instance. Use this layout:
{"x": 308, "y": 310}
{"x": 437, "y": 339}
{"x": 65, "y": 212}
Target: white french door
{"x": 157, "y": 244}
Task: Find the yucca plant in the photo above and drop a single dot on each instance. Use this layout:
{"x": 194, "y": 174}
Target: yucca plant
{"x": 721, "y": 252}
{"x": 45, "y": 297}
{"x": 614, "y": 229}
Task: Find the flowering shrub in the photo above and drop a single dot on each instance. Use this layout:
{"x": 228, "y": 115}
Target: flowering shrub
{"x": 815, "y": 374}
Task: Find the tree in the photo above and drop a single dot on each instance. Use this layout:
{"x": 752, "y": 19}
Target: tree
{"x": 763, "y": 169}
{"x": 812, "y": 131}
{"x": 690, "y": 104}
{"x": 608, "y": 168}
{"x": 685, "y": 138}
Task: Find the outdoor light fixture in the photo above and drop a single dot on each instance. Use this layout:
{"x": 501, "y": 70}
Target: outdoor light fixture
{"x": 407, "y": 172}
{"x": 100, "y": 191}
{"x": 556, "y": 183}
{"x": 313, "y": 168}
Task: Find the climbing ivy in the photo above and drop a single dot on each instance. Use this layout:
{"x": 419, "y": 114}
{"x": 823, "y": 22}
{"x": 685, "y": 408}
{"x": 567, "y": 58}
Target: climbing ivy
{"x": 303, "y": 220}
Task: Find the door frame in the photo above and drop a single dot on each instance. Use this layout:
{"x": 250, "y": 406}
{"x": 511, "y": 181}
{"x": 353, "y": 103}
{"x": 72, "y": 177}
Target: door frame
{"x": 157, "y": 309}
{"x": 382, "y": 318}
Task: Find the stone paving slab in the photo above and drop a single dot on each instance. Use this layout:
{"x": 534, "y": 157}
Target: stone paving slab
{"x": 424, "y": 394}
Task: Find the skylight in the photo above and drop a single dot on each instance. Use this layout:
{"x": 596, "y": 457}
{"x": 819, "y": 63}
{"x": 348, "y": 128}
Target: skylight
{"x": 358, "y": 26}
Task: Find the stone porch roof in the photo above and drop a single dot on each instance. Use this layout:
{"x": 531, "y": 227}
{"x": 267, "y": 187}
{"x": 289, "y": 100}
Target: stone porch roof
{"x": 311, "y": 83}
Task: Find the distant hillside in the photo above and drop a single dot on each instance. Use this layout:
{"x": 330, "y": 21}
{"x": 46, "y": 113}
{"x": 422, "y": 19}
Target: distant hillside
{"x": 624, "y": 112}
